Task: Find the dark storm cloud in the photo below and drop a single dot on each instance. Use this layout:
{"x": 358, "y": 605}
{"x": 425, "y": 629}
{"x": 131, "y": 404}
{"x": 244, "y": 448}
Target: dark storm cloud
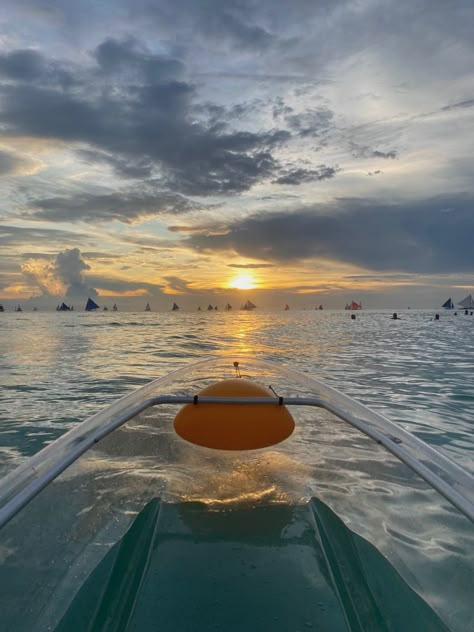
{"x": 134, "y": 111}
{"x": 127, "y": 206}
{"x": 298, "y": 176}
{"x": 407, "y": 237}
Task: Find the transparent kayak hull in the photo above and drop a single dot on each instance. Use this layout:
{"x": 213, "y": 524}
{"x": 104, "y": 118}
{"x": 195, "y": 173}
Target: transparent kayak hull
{"x": 122, "y": 525}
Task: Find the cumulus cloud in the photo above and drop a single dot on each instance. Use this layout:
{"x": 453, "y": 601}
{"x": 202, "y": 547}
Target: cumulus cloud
{"x": 69, "y": 268}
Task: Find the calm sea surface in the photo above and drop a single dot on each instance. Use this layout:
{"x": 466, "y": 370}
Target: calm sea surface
{"x": 59, "y": 368}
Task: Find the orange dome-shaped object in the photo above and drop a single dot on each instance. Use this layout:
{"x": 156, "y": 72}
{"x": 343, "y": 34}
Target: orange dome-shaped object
{"x": 234, "y": 426}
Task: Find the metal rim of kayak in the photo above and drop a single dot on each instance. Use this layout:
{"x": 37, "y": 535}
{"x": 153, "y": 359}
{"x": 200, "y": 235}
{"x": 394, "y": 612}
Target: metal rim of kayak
{"x": 388, "y": 439}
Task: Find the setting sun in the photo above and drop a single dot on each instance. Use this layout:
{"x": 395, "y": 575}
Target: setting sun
{"x": 242, "y": 282}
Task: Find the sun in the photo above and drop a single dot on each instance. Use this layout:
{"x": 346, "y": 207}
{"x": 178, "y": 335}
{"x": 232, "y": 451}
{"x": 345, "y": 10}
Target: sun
{"x": 242, "y": 282}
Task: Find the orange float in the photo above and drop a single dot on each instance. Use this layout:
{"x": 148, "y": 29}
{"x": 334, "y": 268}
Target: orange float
{"x": 234, "y": 426}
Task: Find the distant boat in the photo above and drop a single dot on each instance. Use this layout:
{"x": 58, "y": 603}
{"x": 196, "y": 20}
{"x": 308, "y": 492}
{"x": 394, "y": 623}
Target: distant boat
{"x": 449, "y": 304}
{"x": 209, "y": 307}
{"x": 105, "y": 309}
{"x": 353, "y": 305}
{"x": 467, "y": 303}
{"x": 18, "y": 308}
{"x": 148, "y": 308}
{"x": 287, "y": 307}
{"x": 35, "y": 309}
{"x": 91, "y": 306}
{"x": 1, "y": 308}
{"x": 175, "y": 307}
{"x": 115, "y": 308}
{"x": 216, "y": 307}
{"x": 248, "y": 306}
{"x": 64, "y": 308}
{"x": 199, "y": 308}
{"x": 320, "y": 307}
{"x": 347, "y": 306}
{"x": 228, "y": 307}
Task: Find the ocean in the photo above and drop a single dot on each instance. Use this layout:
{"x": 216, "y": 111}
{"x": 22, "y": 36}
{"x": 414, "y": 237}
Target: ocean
{"x": 60, "y": 368}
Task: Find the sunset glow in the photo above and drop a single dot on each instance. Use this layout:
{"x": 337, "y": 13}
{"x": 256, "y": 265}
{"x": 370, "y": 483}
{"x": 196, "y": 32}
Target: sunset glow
{"x": 243, "y": 282}
{"x": 232, "y": 166}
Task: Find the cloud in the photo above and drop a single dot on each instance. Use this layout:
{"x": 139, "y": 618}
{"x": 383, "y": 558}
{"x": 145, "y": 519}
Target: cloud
{"x": 363, "y": 151}
{"x": 69, "y": 268}
{"x": 298, "y": 176}
{"x": 250, "y": 266}
{"x": 9, "y": 163}
{"x": 461, "y": 105}
{"x": 176, "y": 285}
{"x": 20, "y": 235}
{"x": 134, "y": 110}
{"x": 406, "y": 237}
{"x": 126, "y": 206}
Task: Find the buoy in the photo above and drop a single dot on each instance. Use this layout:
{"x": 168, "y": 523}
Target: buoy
{"x": 234, "y": 426}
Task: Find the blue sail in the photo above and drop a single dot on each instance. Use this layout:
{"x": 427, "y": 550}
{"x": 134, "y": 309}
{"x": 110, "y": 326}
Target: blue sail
{"x": 449, "y": 304}
{"x": 90, "y": 305}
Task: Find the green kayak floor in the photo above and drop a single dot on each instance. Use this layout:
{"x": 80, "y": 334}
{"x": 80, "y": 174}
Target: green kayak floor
{"x": 184, "y": 567}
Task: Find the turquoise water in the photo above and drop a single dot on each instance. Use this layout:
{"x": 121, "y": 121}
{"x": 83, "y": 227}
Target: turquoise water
{"x": 60, "y": 368}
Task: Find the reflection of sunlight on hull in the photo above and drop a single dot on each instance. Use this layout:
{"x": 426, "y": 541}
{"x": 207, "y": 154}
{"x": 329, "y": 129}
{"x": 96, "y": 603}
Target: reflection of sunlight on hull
{"x": 267, "y": 477}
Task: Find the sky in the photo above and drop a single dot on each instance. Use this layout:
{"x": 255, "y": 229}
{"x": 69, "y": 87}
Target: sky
{"x": 307, "y": 152}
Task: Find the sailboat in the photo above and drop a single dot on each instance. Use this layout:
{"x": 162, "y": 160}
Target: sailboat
{"x": 228, "y": 307}
{"x": 209, "y": 307}
{"x": 320, "y": 307}
{"x": 355, "y": 305}
{"x": 448, "y": 304}
{"x": 18, "y": 308}
{"x": 91, "y": 305}
{"x": 63, "y": 308}
{"x": 287, "y": 307}
{"x": 115, "y": 308}
{"x": 175, "y": 307}
{"x": 467, "y": 303}
{"x": 1, "y": 308}
{"x": 199, "y": 308}
{"x": 248, "y": 306}
{"x": 148, "y": 308}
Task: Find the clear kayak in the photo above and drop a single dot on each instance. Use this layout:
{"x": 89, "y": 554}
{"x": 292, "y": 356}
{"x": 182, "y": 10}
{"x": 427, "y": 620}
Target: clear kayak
{"x": 281, "y": 505}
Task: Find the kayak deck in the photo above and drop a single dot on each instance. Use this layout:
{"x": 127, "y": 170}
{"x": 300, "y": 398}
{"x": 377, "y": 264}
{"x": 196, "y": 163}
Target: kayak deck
{"x": 280, "y": 567}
